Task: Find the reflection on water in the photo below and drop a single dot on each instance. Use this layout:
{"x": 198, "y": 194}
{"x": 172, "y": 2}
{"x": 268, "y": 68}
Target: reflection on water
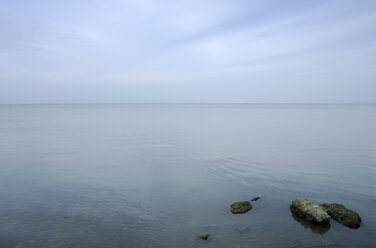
{"x": 160, "y": 175}
{"x": 314, "y": 227}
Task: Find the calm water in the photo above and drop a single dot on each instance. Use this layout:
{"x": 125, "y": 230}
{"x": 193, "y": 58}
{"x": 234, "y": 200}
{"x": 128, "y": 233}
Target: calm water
{"x": 160, "y": 175}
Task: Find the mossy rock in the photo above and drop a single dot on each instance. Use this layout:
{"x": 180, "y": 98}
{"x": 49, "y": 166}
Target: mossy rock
{"x": 343, "y": 215}
{"x": 309, "y": 211}
{"x": 240, "y": 207}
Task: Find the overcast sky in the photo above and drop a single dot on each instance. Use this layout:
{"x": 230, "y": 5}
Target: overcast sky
{"x": 92, "y": 51}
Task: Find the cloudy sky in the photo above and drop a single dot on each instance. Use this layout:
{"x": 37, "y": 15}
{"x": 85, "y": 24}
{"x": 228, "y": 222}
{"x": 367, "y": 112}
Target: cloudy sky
{"x": 92, "y": 51}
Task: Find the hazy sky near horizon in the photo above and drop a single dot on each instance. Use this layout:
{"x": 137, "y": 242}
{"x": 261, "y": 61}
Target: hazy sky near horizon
{"x": 78, "y": 51}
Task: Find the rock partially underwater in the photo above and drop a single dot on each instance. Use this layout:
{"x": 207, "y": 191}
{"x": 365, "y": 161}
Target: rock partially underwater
{"x": 204, "y": 236}
{"x": 240, "y": 207}
{"x": 342, "y": 215}
{"x": 309, "y": 211}
{"x": 318, "y": 228}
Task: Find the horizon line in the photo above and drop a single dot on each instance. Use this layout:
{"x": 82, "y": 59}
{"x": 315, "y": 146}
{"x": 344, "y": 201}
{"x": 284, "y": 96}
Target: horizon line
{"x": 250, "y": 103}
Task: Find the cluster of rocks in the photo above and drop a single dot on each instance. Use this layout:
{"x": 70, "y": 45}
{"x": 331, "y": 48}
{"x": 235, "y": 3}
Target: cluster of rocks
{"x": 309, "y": 211}
{"x": 325, "y": 212}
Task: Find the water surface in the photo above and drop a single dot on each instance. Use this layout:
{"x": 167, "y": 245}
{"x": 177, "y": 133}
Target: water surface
{"x": 158, "y": 175}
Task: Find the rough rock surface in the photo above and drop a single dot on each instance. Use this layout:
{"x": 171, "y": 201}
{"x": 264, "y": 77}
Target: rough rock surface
{"x": 309, "y": 211}
{"x": 240, "y": 207}
{"x": 343, "y": 215}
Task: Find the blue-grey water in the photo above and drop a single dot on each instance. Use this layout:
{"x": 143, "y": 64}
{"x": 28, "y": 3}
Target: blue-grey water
{"x": 159, "y": 175}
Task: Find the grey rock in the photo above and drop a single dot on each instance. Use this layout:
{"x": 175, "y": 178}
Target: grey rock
{"x": 309, "y": 211}
{"x": 343, "y": 215}
{"x": 204, "y": 236}
{"x": 240, "y": 207}
{"x": 255, "y": 199}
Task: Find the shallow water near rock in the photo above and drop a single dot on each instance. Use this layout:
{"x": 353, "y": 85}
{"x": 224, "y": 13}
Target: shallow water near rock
{"x": 159, "y": 175}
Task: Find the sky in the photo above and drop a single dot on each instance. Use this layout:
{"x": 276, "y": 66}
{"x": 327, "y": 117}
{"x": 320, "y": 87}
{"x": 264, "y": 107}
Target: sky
{"x": 238, "y": 51}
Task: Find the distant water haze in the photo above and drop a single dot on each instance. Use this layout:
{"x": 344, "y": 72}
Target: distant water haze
{"x": 159, "y": 175}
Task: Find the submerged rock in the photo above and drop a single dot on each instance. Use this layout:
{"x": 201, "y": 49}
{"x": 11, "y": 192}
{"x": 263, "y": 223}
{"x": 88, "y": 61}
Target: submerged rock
{"x": 255, "y": 199}
{"x": 318, "y": 228}
{"x": 343, "y": 215}
{"x": 204, "y": 236}
{"x": 243, "y": 229}
{"x": 240, "y": 207}
{"x": 309, "y": 211}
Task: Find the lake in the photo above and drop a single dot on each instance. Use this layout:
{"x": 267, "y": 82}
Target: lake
{"x": 159, "y": 175}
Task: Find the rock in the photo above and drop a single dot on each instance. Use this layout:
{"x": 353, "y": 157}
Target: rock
{"x": 343, "y": 215}
{"x": 240, "y": 207}
{"x": 204, "y": 236}
{"x": 255, "y": 199}
{"x": 309, "y": 211}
